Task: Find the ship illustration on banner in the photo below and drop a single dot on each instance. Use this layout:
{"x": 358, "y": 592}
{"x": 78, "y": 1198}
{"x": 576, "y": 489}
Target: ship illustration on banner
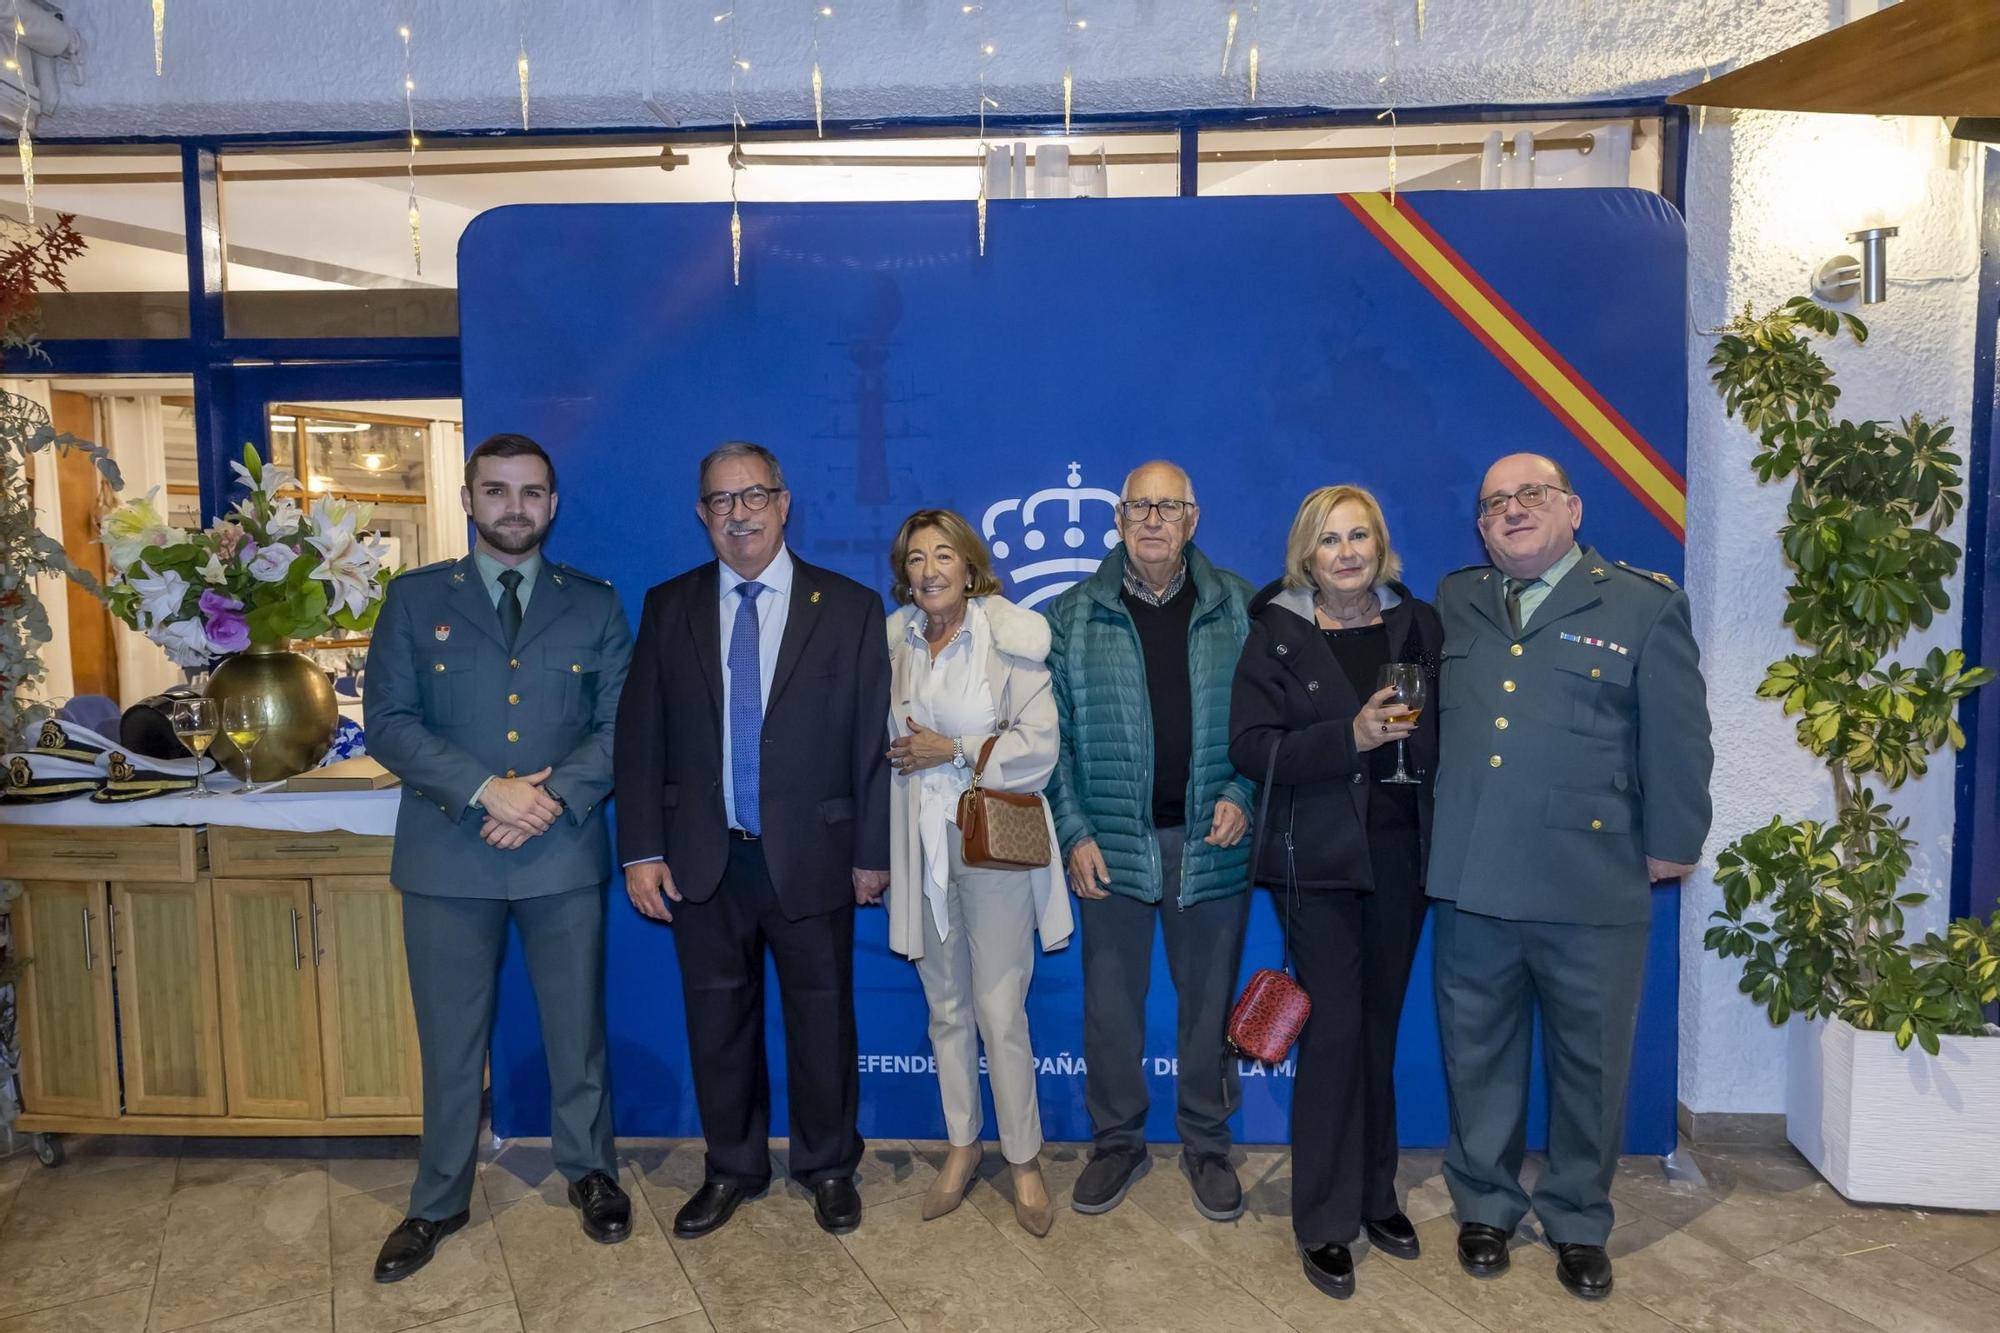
{"x": 1084, "y": 523}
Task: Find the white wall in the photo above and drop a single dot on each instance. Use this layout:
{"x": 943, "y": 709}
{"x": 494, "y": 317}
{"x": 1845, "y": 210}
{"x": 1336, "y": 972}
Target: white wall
{"x": 1768, "y": 197}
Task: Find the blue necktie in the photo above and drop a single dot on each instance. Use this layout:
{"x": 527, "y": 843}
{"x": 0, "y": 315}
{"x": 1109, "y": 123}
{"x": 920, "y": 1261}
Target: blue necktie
{"x": 746, "y": 710}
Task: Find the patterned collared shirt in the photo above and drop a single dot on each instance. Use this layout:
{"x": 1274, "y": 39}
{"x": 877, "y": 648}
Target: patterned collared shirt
{"x": 1137, "y": 586}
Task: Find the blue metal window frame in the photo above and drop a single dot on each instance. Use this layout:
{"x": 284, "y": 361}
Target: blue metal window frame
{"x": 1975, "y": 863}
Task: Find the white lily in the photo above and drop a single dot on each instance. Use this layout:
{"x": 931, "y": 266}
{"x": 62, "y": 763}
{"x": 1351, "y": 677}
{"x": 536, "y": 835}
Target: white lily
{"x": 186, "y": 641}
{"x": 348, "y": 561}
{"x": 275, "y": 478}
{"x": 285, "y": 518}
{"x": 133, "y": 527}
{"x": 160, "y": 594}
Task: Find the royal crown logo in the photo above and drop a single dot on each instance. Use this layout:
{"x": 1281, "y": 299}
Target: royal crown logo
{"x": 1076, "y": 530}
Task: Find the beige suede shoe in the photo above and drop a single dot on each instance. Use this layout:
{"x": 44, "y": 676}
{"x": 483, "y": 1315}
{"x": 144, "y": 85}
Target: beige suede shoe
{"x": 954, "y": 1178}
{"x": 1032, "y": 1206}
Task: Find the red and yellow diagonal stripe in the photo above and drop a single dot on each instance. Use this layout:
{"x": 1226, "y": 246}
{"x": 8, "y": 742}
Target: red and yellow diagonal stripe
{"x": 1610, "y": 437}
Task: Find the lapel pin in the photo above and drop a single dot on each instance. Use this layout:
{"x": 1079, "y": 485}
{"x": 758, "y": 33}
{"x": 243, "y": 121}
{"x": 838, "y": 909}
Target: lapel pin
{"x": 558, "y": 579}
{"x": 814, "y": 599}
{"x": 443, "y": 632}
{"x": 1597, "y": 570}
{"x": 458, "y": 578}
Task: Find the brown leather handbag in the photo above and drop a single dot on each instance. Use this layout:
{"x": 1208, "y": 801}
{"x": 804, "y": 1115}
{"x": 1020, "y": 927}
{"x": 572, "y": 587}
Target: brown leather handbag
{"x": 1273, "y": 1008}
{"x": 1001, "y": 830}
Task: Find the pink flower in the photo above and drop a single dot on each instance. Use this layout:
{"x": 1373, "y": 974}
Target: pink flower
{"x": 233, "y": 543}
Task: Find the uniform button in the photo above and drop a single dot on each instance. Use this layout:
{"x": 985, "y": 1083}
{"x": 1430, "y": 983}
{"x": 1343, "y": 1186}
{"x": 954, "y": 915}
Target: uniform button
{"x": 1507, "y": 685}
{"x": 513, "y": 698}
{"x": 576, "y": 667}
{"x": 1595, "y": 673}
{"x": 1494, "y": 762}
{"x": 438, "y": 667}
{"x": 510, "y": 773}
{"x": 1597, "y": 823}
{"x": 1516, "y": 650}
{"x": 1500, "y": 722}
{"x": 513, "y": 735}
{"x": 515, "y": 663}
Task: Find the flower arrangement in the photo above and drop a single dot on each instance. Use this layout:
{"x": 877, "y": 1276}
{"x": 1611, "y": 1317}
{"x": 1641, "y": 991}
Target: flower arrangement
{"x": 264, "y": 573}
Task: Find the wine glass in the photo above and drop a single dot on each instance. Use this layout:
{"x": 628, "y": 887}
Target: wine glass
{"x": 194, "y": 725}
{"x": 1407, "y": 679}
{"x": 243, "y": 721}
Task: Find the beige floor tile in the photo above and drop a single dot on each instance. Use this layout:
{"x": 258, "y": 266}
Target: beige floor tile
{"x": 1122, "y": 1268}
{"x": 1882, "y": 1284}
{"x": 467, "y": 1274}
{"x": 957, "y": 1273}
{"x": 892, "y": 1169}
{"x": 687, "y": 1323}
{"x": 314, "y": 1314}
{"x": 242, "y": 1234}
{"x": 563, "y": 1278}
{"x": 493, "y": 1319}
{"x": 367, "y": 1173}
{"x": 1526, "y": 1296}
{"x": 1985, "y": 1270}
{"x": 771, "y": 1269}
{"x": 1755, "y": 1216}
{"x": 120, "y": 1312}
{"x": 1941, "y": 1238}
{"x": 53, "y": 1255}
{"x": 521, "y": 1167}
{"x": 1698, "y": 1286}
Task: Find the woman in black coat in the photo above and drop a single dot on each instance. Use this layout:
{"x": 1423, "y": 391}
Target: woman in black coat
{"x": 1356, "y": 845}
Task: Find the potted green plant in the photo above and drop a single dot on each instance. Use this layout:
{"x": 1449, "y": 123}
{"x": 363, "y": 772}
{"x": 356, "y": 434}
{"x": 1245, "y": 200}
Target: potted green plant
{"x": 1816, "y": 908}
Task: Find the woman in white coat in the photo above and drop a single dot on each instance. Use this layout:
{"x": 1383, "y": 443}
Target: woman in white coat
{"x": 968, "y": 666}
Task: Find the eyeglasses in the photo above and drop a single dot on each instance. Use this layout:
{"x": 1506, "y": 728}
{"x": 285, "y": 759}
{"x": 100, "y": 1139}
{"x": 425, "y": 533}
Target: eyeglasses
{"x": 1532, "y": 496}
{"x": 754, "y": 498}
{"x": 1170, "y": 511}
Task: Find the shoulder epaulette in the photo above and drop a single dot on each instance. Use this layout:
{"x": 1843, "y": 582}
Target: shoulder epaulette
{"x": 573, "y": 572}
{"x": 1654, "y": 575}
{"x": 433, "y": 568}
{"x": 1468, "y": 569}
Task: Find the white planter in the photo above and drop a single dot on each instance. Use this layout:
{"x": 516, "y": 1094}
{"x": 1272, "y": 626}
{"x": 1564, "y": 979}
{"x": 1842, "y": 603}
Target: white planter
{"x": 1890, "y": 1126}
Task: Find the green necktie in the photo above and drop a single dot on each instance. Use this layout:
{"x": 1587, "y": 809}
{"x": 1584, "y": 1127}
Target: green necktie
{"x": 1515, "y": 587}
{"x": 510, "y": 603}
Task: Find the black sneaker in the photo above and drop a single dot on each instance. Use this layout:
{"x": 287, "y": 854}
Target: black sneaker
{"x": 1218, "y": 1195}
{"x": 1107, "y": 1178}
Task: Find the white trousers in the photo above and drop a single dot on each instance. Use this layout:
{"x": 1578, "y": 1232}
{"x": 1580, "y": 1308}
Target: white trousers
{"x": 976, "y": 980}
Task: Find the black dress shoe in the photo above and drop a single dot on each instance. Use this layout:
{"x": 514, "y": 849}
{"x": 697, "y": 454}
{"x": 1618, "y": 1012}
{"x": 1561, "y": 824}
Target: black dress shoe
{"x": 1482, "y": 1250}
{"x": 1585, "y": 1270}
{"x": 411, "y": 1245}
{"x": 709, "y": 1208}
{"x": 605, "y": 1209}
{"x": 837, "y": 1205}
{"x": 1330, "y": 1268}
{"x": 1393, "y": 1235}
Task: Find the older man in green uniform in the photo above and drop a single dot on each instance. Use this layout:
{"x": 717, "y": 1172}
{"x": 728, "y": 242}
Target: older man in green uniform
{"x": 1576, "y": 757}
{"x": 492, "y": 688}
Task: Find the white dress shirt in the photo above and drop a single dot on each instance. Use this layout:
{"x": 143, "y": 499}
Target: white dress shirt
{"x": 774, "y": 607}
{"x": 952, "y": 694}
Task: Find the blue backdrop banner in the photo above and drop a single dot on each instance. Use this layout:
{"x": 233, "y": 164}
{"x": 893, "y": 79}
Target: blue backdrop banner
{"x": 1270, "y": 345}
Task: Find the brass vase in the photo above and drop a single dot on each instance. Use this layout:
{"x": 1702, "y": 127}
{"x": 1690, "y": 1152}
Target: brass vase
{"x": 296, "y": 701}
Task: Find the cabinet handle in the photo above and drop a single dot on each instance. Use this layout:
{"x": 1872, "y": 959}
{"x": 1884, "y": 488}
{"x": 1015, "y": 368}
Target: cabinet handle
{"x": 319, "y": 950}
{"x": 84, "y": 854}
{"x": 111, "y": 928}
{"x": 86, "y": 939}
{"x": 307, "y": 851}
{"x": 298, "y": 957}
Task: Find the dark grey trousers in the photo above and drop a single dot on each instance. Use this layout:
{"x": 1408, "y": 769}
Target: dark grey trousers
{"x": 1492, "y": 976}
{"x": 1204, "y": 944}
{"x": 455, "y": 946}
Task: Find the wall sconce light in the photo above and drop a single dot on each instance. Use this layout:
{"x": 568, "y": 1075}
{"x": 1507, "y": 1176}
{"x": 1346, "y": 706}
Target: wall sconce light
{"x": 1839, "y": 278}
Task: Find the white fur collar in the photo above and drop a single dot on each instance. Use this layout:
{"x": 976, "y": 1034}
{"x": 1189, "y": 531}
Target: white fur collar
{"x": 1016, "y": 631}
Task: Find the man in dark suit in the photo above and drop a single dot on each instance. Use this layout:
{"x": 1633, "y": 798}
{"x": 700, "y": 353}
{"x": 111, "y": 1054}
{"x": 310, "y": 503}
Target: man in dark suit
{"x": 492, "y": 689}
{"x": 753, "y": 814}
{"x": 1576, "y": 756}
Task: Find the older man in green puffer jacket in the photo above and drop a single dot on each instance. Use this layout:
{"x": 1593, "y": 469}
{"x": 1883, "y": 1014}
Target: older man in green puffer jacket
{"x": 1152, "y": 818}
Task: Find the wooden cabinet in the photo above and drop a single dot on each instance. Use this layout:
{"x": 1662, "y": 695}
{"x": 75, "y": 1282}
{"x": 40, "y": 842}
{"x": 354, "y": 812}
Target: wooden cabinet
{"x": 163, "y": 952}
{"x": 69, "y": 1049}
{"x": 270, "y": 1001}
{"x": 368, "y": 1027}
{"x": 227, "y": 981}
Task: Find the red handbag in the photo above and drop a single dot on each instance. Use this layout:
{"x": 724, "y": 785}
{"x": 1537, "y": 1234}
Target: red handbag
{"x": 1272, "y": 1010}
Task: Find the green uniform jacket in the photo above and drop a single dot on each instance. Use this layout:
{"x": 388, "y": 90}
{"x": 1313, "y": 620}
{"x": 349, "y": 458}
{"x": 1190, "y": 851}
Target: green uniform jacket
{"x": 450, "y": 705}
{"x": 1571, "y": 752}
{"x": 1103, "y": 784}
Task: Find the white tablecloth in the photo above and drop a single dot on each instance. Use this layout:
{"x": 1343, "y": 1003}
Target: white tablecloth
{"x": 371, "y": 812}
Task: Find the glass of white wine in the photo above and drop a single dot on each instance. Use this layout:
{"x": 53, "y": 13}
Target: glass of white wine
{"x": 194, "y": 725}
{"x": 1407, "y": 678}
{"x": 243, "y": 722}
